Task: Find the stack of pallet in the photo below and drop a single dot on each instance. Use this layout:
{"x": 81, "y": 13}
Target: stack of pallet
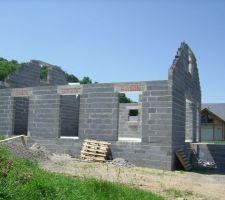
{"x": 95, "y": 150}
{"x": 183, "y": 159}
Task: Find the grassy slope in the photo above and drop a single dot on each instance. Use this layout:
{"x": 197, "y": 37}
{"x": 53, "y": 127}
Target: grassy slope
{"x": 25, "y": 180}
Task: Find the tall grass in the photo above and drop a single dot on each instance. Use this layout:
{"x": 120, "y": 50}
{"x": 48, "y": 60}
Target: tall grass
{"x": 25, "y": 180}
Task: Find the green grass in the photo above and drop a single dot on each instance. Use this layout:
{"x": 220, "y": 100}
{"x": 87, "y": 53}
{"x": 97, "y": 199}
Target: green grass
{"x": 213, "y": 141}
{"x": 25, "y": 180}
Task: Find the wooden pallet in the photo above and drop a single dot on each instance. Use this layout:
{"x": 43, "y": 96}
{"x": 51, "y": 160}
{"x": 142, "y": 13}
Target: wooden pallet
{"x": 183, "y": 159}
{"x": 95, "y": 150}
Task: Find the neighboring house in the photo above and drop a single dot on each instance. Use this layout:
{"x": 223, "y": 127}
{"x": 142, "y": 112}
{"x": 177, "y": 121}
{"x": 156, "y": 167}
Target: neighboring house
{"x": 213, "y": 121}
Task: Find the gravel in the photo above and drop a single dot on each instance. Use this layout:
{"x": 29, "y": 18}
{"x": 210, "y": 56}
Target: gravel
{"x": 120, "y": 162}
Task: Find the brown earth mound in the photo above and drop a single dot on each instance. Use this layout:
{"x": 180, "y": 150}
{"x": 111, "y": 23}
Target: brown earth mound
{"x": 37, "y": 152}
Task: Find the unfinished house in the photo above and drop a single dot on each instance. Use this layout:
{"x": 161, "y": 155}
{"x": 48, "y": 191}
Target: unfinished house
{"x": 61, "y": 116}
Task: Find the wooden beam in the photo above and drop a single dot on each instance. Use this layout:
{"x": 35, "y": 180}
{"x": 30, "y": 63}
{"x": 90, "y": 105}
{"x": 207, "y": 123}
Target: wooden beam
{"x": 22, "y": 137}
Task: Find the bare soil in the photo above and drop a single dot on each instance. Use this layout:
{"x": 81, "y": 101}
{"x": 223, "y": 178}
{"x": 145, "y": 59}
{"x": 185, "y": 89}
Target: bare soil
{"x": 177, "y": 185}
{"x": 172, "y": 185}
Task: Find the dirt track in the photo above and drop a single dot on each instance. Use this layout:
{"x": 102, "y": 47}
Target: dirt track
{"x": 173, "y": 185}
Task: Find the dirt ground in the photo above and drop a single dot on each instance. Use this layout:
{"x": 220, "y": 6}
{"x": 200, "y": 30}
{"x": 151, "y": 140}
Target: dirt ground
{"x": 177, "y": 185}
{"x": 172, "y": 185}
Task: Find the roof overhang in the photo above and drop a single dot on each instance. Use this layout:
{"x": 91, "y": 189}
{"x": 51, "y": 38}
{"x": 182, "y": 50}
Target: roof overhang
{"x": 212, "y": 113}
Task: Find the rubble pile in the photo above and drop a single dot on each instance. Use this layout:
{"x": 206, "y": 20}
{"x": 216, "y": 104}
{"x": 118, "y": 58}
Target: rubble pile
{"x": 37, "y": 152}
{"x": 206, "y": 164}
{"x": 120, "y": 162}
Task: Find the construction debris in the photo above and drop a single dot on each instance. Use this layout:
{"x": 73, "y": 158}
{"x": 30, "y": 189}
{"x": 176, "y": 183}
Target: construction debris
{"x": 95, "y": 150}
{"x": 120, "y": 162}
{"x": 206, "y": 164}
{"x": 37, "y": 152}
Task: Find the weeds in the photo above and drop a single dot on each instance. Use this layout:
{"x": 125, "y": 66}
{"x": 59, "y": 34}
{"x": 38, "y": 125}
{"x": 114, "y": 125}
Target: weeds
{"x": 178, "y": 193}
{"x": 5, "y": 166}
{"x": 2, "y": 137}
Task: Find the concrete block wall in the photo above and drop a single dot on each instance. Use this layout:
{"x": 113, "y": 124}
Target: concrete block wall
{"x": 28, "y": 75}
{"x": 59, "y": 145}
{"x": 56, "y": 76}
{"x": 184, "y": 83}
{"x": 21, "y": 109}
{"x": 129, "y": 129}
{"x": 44, "y": 113}
{"x": 157, "y": 123}
{"x": 99, "y": 109}
{"x": 143, "y": 154}
{"x": 99, "y": 112}
{"x": 69, "y": 115}
{"x": 6, "y": 112}
{"x": 3, "y": 85}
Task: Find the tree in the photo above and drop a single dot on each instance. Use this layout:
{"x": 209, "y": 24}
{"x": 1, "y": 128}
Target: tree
{"x": 124, "y": 99}
{"x": 7, "y": 68}
{"x": 86, "y": 80}
{"x": 71, "y": 78}
{"x": 44, "y": 73}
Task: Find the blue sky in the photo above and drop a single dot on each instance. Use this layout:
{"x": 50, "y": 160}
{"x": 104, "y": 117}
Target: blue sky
{"x": 118, "y": 40}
